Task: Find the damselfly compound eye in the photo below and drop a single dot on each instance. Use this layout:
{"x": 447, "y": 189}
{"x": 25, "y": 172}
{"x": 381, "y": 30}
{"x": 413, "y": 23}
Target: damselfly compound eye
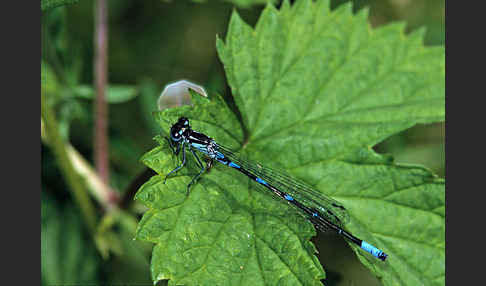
{"x": 183, "y": 121}
{"x": 175, "y": 133}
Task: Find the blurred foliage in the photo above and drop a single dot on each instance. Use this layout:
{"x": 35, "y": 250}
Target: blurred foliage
{"x": 152, "y": 43}
{"x": 243, "y": 3}
{"x": 67, "y": 255}
{"x": 49, "y": 4}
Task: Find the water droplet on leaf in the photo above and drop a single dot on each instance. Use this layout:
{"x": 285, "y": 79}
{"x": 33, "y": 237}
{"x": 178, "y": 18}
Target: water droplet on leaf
{"x": 177, "y": 94}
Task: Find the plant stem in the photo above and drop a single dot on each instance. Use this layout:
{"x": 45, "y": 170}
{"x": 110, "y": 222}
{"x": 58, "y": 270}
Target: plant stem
{"x": 102, "y": 193}
{"x": 75, "y": 183}
{"x": 101, "y": 108}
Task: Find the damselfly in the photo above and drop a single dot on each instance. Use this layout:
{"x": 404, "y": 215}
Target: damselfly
{"x": 325, "y": 213}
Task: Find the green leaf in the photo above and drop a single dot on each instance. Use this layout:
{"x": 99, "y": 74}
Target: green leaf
{"x": 49, "y": 4}
{"x": 116, "y": 93}
{"x": 67, "y": 258}
{"x": 316, "y": 89}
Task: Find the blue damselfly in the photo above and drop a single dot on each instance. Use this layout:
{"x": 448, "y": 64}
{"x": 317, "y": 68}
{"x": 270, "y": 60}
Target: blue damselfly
{"x": 325, "y": 213}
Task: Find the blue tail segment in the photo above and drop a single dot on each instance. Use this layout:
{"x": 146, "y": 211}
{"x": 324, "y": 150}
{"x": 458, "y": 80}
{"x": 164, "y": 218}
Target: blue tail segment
{"x": 373, "y": 250}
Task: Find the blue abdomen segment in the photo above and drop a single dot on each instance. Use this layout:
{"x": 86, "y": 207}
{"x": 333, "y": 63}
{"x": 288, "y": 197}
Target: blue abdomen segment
{"x": 233, "y": 165}
{"x": 288, "y": 198}
{"x": 219, "y": 155}
{"x": 373, "y": 250}
{"x": 261, "y": 181}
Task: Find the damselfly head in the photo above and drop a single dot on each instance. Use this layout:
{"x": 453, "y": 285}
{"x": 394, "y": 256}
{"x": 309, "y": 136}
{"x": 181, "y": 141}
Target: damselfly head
{"x": 183, "y": 121}
{"x": 178, "y": 129}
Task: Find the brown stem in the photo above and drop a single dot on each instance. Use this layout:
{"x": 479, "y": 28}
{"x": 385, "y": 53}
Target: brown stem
{"x": 101, "y": 108}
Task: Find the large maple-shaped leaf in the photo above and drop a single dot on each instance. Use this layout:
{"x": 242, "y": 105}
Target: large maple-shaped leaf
{"x": 316, "y": 89}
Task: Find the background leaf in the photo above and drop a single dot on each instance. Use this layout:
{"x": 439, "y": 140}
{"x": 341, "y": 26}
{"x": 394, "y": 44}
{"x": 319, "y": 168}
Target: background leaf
{"x": 49, "y": 4}
{"x": 243, "y": 3}
{"x": 116, "y": 93}
{"x": 67, "y": 257}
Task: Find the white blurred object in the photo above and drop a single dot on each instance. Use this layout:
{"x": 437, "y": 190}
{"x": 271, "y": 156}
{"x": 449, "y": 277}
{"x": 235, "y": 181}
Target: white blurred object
{"x": 177, "y": 94}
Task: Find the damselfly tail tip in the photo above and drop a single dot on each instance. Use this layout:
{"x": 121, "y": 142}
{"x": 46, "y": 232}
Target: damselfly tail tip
{"x": 382, "y": 256}
{"x": 373, "y": 250}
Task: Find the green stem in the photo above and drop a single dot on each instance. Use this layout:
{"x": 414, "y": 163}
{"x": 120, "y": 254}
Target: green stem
{"x": 102, "y": 193}
{"x": 74, "y": 181}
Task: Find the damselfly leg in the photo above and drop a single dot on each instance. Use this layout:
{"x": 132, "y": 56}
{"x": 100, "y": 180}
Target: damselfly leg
{"x": 209, "y": 164}
{"x": 200, "y": 165}
{"x": 183, "y": 160}
{"x": 170, "y": 145}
